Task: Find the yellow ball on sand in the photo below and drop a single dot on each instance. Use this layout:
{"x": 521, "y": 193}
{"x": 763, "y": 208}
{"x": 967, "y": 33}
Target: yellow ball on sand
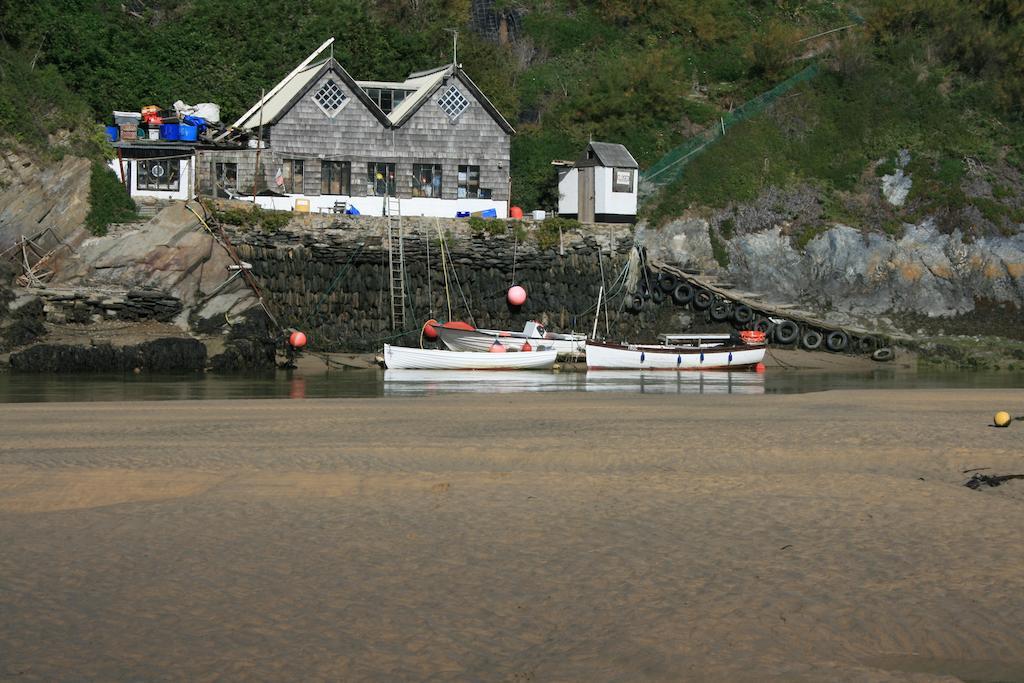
{"x": 1001, "y": 419}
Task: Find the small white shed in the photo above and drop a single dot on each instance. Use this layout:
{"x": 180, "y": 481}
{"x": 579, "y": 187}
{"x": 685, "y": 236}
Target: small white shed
{"x": 600, "y": 187}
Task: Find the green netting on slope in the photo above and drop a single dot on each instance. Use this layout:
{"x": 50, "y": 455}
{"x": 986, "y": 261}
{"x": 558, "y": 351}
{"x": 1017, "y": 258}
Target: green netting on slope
{"x": 670, "y": 166}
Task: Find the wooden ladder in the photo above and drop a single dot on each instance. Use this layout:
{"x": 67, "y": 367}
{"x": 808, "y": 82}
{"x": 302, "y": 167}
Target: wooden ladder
{"x": 396, "y": 261}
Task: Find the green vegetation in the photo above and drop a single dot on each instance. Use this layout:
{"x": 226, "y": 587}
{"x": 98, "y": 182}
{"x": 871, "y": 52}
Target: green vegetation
{"x": 718, "y": 248}
{"x": 255, "y": 217}
{"x": 941, "y": 78}
{"x": 550, "y": 230}
{"x": 108, "y": 201}
{"x": 490, "y": 226}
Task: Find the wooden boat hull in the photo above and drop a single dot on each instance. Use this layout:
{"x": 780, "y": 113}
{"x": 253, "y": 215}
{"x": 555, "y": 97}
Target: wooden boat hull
{"x": 481, "y": 340}
{"x": 605, "y": 356}
{"x": 406, "y": 358}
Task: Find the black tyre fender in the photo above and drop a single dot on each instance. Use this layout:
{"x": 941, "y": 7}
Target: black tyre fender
{"x": 702, "y": 299}
{"x": 865, "y": 344}
{"x": 682, "y": 294}
{"x": 786, "y": 332}
{"x": 883, "y": 355}
{"x": 811, "y": 339}
{"x": 643, "y": 290}
{"x": 667, "y": 282}
{"x": 720, "y": 311}
{"x": 763, "y": 325}
{"x": 741, "y": 314}
{"x": 636, "y": 304}
{"x": 657, "y": 296}
{"x": 837, "y": 341}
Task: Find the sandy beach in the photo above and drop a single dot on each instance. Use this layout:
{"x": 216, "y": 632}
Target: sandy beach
{"x": 813, "y": 537}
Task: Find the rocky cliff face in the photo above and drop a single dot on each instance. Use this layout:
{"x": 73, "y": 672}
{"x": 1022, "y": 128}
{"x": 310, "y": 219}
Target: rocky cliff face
{"x": 34, "y": 197}
{"x": 846, "y": 273}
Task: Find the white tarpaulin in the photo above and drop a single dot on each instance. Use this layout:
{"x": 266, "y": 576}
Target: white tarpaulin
{"x": 205, "y": 110}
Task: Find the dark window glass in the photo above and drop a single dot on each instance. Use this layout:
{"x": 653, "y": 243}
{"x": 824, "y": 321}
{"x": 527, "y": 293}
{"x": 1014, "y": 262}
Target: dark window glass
{"x": 426, "y": 180}
{"x": 336, "y": 177}
{"x": 380, "y": 179}
{"x": 292, "y": 174}
{"x": 161, "y": 175}
{"x": 469, "y": 182}
{"x": 226, "y": 175}
{"x": 622, "y": 180}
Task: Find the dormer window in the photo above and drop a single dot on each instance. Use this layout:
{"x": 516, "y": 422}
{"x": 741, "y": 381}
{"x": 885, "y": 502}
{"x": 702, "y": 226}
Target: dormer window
{"x": 330, "y": 98}
{"x": 453, "y": 103}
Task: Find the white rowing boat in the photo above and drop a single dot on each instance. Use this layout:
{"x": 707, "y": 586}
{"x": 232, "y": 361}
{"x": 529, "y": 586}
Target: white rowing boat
{"x": 459, "y": 336}
{"x": 714, "y": 355}
{"x": 406, "y": 358}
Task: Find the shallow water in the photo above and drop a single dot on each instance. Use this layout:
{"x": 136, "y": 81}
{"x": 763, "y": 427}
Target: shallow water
{"x": 300, "y": 384}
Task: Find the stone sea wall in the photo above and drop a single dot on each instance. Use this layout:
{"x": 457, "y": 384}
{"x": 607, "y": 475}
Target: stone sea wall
{"x": 329, "y": 277}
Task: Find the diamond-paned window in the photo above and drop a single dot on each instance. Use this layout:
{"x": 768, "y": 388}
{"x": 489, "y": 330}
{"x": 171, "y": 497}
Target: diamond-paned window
{"x": 453, "y": 103}
{"x": 330, "y": 98}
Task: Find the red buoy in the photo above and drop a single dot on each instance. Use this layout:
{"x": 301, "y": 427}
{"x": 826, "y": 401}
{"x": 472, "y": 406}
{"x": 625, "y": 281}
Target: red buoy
{"x": 516, "y": 295}
{"x": 497, "y": 347}
{"x": 297, "y": 340}
{"x": 526, "y": 346}
{"x": 515, "y": 212}
{"x": 428, "y": 329}
{"x": 759, "y": 367}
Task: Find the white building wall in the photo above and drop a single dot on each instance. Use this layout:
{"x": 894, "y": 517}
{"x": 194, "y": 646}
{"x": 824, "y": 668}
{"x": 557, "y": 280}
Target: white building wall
{"x": 374, "y": 206}
{"x": 568, "y": 193}
{"x": 614, "y": 203}
{"x": 186, "y": 179}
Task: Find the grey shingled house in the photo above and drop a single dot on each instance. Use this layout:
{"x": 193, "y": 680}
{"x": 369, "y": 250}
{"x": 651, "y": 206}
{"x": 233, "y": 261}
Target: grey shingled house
{"x": 434, "y": 140}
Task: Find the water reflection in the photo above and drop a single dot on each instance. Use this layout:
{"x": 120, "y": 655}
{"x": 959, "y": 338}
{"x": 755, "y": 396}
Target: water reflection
{"x": 662, "y": 382}
{"x": 431, "y": 382}
{"x": 368, "y": 383}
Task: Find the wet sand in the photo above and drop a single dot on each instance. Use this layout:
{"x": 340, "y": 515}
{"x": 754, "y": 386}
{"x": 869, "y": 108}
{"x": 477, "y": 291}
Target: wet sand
{"x": 514, "y": 538}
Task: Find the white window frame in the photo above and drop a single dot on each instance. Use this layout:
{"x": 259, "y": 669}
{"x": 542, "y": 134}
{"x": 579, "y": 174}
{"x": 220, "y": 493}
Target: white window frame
{"x": 330, "y": 113}
{"x": 451, "y": 96}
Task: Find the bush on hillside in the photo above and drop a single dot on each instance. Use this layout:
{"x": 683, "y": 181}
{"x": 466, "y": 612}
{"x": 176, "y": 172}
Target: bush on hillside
{"x": 108, "y": 200}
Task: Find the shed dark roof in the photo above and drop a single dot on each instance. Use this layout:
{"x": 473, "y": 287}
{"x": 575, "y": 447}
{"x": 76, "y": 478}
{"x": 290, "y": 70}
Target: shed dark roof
{"x": 608, "y": 154}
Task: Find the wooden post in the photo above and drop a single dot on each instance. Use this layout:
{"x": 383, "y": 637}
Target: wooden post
{"x": 124, "y": 178}
{"x": 259, "y": 146}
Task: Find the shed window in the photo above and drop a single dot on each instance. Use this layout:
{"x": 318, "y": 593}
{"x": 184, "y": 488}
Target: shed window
{"x": 387, "y": 99}
{"x": 380, "y": 179}
{"x": 226, "y": 176}
{"x": 292, "y": 176}
{"x": 330, "y": 98}
{"x": 453, "y": 103}
{"x": 161, "y": 175}
{"x": 622, "y": 180}
{"x": 336, "y": 177}
{"x": 469, "y": 182}
{"x": 426, "y": 180}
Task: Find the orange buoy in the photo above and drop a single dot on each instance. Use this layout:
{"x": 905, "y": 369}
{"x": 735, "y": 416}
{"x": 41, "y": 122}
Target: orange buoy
{"x": 515, "y": 212}
{"x": 428, "y": 329}
{"x": 759, "y": 367}
{"x": 526, "y": 346}
{"x": 297, "y": 340}
{"x": 497, "y": 347}
{"x": 516, "y": 295}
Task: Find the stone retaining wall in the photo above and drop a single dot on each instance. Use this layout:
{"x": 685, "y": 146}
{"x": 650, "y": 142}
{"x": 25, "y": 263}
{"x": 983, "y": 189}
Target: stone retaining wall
{"x": 82, "y": 306}
{"x": 329, "y": 277}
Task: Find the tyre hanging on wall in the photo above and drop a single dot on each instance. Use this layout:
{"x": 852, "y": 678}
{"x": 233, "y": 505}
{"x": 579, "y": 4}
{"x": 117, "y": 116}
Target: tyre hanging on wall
{"x": 657, "y": 296}
{"x": 786, "y": 332}
{"x": 742, "y": 315}
{"x": 682, "y": 294}
{"x": 643, "y": 290}
{"x": 635, "y": 305}
{"x": 702, "y": 299}
{"x": 764, "y": 325}
{"x": 883, "y": 355}
{"x": 720, "y": 311}
{"x": 811, "y": 339}
{"x": 837, "y": 341}
{"x": 667, "y": 282}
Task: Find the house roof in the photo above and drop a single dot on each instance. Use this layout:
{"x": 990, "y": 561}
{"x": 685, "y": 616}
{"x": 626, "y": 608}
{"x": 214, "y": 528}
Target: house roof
{"x": 607, "y": 154}
{"x": 294, "y": 86}
{"x": 421, "y": 84}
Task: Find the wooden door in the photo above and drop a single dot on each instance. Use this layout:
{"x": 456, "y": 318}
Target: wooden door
{"x": 586, "y": 194}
